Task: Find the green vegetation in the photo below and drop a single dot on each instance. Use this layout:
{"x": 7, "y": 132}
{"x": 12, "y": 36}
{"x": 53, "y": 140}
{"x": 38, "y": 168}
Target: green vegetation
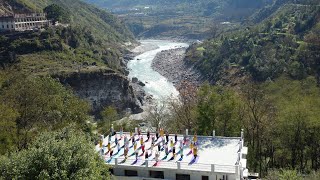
{"x": 57, "y": 13}
{"x": 109, "y": 115}
{"x": 31, "y": 102}
{"x": 285, "y": 43}
{"x": 94, "y": 38}
{"x": 193, "y": 19}
{"x": 291, "y": 174}
{"x": 218, "y": 108}
{"x": 63, "y": 154}
{"x": 101, "y": 23}
{"x": 58, "y": 50}
{"x": 279, "y": 108}
{"x": 215, "y": 8}
{"x": 280, "y": 120}
{"x": 36, "y": 140}
{"x": 34, "y": 104}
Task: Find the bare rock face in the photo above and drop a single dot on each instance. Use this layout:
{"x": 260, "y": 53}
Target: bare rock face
{"x": 104, "y": 88}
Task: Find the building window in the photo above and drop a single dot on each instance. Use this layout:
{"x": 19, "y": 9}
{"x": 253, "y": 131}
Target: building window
{"x": 224, "y": 177}
{"x": 205, "y": 178}
{"x": 130, "y": 173}
{"x": 182, "y": 177}
{"x": 156, "y": 174}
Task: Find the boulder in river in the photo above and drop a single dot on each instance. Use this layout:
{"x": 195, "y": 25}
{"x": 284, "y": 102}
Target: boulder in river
{"x": 134, "y": 80}
{"x": 141, "y": 83}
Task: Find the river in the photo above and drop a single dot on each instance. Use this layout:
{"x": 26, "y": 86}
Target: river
{"x": 156, "y": 85}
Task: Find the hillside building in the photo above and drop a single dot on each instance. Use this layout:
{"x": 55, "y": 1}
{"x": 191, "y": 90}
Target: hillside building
{"x": 24, "y": 22}
{"x": 180, "y": 157}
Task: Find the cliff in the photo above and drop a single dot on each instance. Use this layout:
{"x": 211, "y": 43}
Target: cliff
{"x": 103, "y": 88}
{"x": 87, "y": 55}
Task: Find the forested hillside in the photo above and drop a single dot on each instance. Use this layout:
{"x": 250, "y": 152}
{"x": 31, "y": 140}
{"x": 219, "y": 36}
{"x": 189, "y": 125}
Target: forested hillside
{"x": 271, "y": 66}
{"x": 93, "y": 37}
{"x": 285, "y": 43}
{"x": 228, "y": 8}
{"x": 35, "y": 106}
{"x": 102, "y": 23}
{"x": 280, "y": 120}
{"x": 266, "y": 11}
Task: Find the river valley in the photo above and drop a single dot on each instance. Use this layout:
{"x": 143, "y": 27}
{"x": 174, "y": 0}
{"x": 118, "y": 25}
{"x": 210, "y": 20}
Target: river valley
{"x": 156, "y": 85}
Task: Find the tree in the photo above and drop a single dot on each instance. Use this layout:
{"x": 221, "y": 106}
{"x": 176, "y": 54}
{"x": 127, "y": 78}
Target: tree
{"x": 284, "y": 175}
{"x": 217, "y": 110}
{"x": 158, "y": 115}
{"x": 258, "y": 122}
{"x": 42, "y": 103}
{"x": 183, "y": 109}
{"x": 298, "y": 123}
{"x": 109, "y": 114}
{"x": 64, "y": 154}
{"x": 7, "y": 129}
{"x": 57, "y": 13}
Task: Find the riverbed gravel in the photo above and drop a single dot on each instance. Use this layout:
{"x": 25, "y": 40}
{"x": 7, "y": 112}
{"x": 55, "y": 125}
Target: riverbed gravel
{"x": 170, "y": 64}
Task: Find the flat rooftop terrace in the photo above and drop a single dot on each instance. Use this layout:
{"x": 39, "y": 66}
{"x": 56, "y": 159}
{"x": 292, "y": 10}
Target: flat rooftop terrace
{"x": 215, "y": 154}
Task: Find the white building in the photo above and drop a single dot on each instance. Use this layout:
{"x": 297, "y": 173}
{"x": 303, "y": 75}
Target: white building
{"x": 23, "y": 22}
{"x": 219, "y": 158}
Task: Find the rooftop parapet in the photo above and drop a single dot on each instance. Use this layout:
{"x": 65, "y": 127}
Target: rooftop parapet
{"x": 29, "y": 15}
{"x": 185, "y": 152}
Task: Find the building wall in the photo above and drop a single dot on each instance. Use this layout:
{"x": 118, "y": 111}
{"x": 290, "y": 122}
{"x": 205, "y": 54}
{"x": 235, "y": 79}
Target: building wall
{"x": 22, "y": 23}
{"x": 7, "y": 24}
{"x": 171, "y": 173}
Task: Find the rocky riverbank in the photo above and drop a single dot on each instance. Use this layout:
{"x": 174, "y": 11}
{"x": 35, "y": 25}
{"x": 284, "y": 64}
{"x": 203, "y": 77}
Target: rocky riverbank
{"x": 143, "y": 48}
{"x": 170, "y": 64}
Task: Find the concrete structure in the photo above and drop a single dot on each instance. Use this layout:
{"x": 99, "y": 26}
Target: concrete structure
{"x": 23, "y": 22}
{"x": 218, "y": 158}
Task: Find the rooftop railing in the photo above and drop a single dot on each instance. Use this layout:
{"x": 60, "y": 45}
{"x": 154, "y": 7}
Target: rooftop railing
{"x": 29, "y": 15}
{"x": 214, "y": 168}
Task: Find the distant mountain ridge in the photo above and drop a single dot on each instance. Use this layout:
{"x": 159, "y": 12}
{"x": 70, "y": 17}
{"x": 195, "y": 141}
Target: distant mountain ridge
{"x": 191, "y": 19}
{"x": 213, "y": 8}
{"x": 266, "y": 11}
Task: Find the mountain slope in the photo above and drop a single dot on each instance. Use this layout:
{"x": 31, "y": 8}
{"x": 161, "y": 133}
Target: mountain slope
{"x": 192, "y": 19}
{"x": 100, "y": 22}
{"x": 266, "y": 11}
{"x": 87, "y": 52}
{"x": 91, "y": 29}
{"x": 196, "y": 7}
{"x": 285, "y": 43}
